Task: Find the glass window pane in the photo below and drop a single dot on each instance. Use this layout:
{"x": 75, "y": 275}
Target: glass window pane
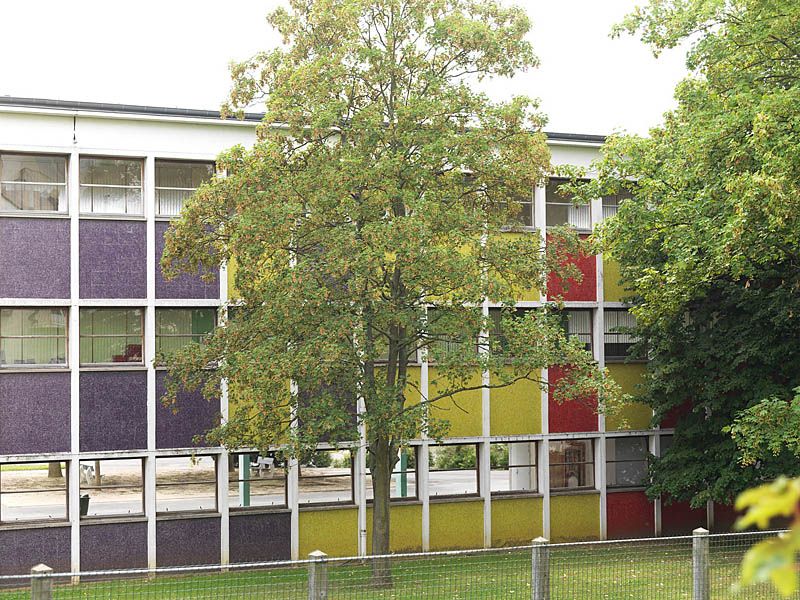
{"x": 403, "y": 484}
{"x": 181, "y": 174}
{"x": 571, "y": 464}
{"x": 110, "y": 335}
{"x": 186, "y": 483}
{"x": 111, "y": 487}
{"x": 177, "y": 327}
{"x": 33, "y": 492}
{"x": 32, "y": 336}
{"x": 626, "y": 461}
{"x": 257, "y": 481}
{"x": 32, "y": 168}
{"x": 453, "y": 470}
{"x": 111, "y": 171}
{"x": 326, "y": 477}
{"x": 111, "y": 200}
{"x": 616, "y": 339}
{"x": 513, "y": 467}
{"x": 33, "y": 197}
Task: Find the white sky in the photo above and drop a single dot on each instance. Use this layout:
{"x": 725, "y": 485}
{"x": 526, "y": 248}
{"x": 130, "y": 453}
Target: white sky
{"x": 176, "y": 52}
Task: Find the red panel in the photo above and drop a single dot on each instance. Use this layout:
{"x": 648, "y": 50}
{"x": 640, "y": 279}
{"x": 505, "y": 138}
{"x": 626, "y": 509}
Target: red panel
{"x": 673, "y": 416}
{"x": 679, "y": 519}
{"x": 630, "y": 515}
{"x": 583, "y": 290}
{"x": 724, "y": 517}
{"x": 571, "y": 415}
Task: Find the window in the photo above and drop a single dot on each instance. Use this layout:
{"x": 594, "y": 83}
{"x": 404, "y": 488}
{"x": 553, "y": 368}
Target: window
{"x": 453, "y": 470}
{"x": 111, "y": 186}
{"x": 33, "y": 337}
{"x": 404, "y": 477}
{"x": 611, "y": 203}
{"x": 562, "y": 211}
{"x": 524, "y": 213}
{"x": 30, "y": 182}
{"x": 513, "y": 467}
{"x": 498, "y": 337}
{"x": 33, "y": 492}
{"x": 626, "y": 461}
{"x": 571, "y": 464}
{"x": 617, "y": 339}
{"x": 113, "y": 487}
{"x": 177, "y": 327}
{"x": 326, "y": 477}
{"x": 111, "y": 335}
{"x": 452, "y": 330}
{"x": 176, "y": 181}
{"x": 578, "y": 323}
{"x": 186, "y": 483}
{"x": 666, "y": 443}
{"x": 257, "y": 481}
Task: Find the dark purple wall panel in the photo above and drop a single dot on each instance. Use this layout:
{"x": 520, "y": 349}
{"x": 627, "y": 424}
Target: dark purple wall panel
{"x": 35, "y": 258}
{"x": 113, "y": 410}
{"x": 187, "y": 285}
{"x": 188, "y": 542}
{"x": 21, "y": 549}
{"x": 259, "y": 537}
{"x": 34, "y": 413}
{"x": 113, "y": 546}
{"x": 113, "y": 259}
{"x": 195, "y": 416}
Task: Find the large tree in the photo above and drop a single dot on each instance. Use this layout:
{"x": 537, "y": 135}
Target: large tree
{"x": 368, "y": 224}
{"x": 709, "y": 243}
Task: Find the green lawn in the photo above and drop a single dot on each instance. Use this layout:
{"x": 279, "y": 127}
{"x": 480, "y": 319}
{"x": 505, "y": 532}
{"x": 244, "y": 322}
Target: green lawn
{"x": 612, "y": 572}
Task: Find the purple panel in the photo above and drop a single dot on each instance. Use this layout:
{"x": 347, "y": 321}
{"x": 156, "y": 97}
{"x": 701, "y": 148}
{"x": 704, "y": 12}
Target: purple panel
{"x": 113, "y": 410}
{"x": 259, "y": 537}
{"x": 188, "y": 542}
{"x": 25, "y": 548}
{"x": 113, "y": 546}
{"x": 188, "y": 286}
{"x": 113, "y": 259}
{"x": 34, "y": 413}
{"x": 195, "y": 416}
{"x": 36, "y": 258}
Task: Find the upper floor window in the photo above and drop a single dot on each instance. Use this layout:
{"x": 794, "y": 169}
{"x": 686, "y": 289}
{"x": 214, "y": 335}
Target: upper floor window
{"x": 611, "y": 203}
{"x": 111, "y": 335}
{"x": 571, "y": 464}
{"x": 617, "y": 337}
{"x": 578, "y": 323}
{"x": 176, "y": 181}
{"x": 111, "y": 186}
{"x": 523, "y": 213}
{"x": 177, "y": 327}
{"x": 561, "y": 210}
{"x": 31, "y": 337}
{"x": 33, "y": 183}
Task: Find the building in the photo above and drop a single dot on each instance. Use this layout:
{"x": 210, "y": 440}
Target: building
{"x": 96, "y": 473}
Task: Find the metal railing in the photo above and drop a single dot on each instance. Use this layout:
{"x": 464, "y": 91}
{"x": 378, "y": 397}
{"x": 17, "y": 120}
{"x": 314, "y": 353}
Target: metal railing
{"x": 697, "y": 567}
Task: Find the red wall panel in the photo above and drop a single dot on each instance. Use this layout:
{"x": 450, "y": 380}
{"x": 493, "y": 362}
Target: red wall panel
{"x": 572, "y": 415}
{"x": 679, "y": 519}
{"x": 630, "y": 515}
{"x": 569, "y": 289}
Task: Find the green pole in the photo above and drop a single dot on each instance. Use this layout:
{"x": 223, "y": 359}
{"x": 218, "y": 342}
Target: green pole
{"x": 403, "y": 474}
{"x": 244, "y": 478}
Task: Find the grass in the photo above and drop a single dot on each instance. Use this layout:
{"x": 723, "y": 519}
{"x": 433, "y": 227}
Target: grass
{"x": 646, "y": 571}
{"x": 26, "y": 467}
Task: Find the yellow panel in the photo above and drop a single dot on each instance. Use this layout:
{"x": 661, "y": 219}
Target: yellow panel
{"x": 575, "y": 517}
{"x": 516, "y": 409}
{"x": 528, "y": 294}
{"x": 456, "y": 525}
{"x": 334, "y": 531}
{"x": 405, "y": 528}
{"x": 516, "y": 521}
{"x": 463, "y": 412}
{"x": 612, "y": 290}
{"x": 231, "y": 273}
{"x": 634, "y": 415}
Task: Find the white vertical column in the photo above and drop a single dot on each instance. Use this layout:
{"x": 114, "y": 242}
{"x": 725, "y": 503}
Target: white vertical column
{"x": 598, "y": 349}
{"x": 423, "y": 454}
{"x": 293, "y": 489}
{"x": 223, "y": 504}
{"x": 73, "y": 352}
{"x": 149, "y": 359}
{"x": 484, "y": 462}
{"x": 361, "y": 477}
{"x": 543, "y": 462}
{"x": 655, "y": 450}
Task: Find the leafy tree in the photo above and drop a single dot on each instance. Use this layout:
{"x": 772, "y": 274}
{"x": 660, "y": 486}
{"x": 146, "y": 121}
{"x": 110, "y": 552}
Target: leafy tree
{"x": 380, "y": 185}
{"x": 708, "y": 244}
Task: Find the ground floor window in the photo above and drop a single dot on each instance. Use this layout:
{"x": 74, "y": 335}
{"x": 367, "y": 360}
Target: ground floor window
{"x": 453, "y": 470}
{"x": 186, "y": 483}
{"x": 513, "y": 467}
{"x": 626, "y": 461}
{"x": 257, "y": 480}
{"x": 326, "y": 477}
{"x": 34, "y": 491}
{"x": 112, "y": 487}
{"x": 571, "y": 464}
{"x": 404, "y": 477}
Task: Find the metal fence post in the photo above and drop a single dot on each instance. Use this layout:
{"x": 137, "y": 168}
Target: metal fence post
{"x": 700, "y": 566}
{"x": 41, "y": 583}
{"x": 540, "y": 569}
{"x": 318, "y": 576}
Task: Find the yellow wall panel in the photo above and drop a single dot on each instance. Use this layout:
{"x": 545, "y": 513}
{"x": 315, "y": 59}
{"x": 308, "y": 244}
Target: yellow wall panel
{"x": 516, "y": 409}
{"x": 456, "y": 525}
{"x": 516, "y": 521}
{"x": 634, "y": 415}
{"x": 231, "y": 273}
{"x": 575, "y": 517}
{"x": 613, "y": 291}
{"x": 405, "y": 528}
{"x": 332, "y": 530}
{"x": 463, "y": 411}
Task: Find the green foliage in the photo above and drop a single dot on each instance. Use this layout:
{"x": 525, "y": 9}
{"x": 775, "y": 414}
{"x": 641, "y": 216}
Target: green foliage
{"x": 770, "y": 428}
{"x": 380, "y": 184}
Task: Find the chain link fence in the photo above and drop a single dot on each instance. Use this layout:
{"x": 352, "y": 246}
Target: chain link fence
{"x": 699, "y": 567}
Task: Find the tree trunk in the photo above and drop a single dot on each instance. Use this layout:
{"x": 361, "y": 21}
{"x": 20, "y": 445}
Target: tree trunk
{"x": 54, "y": 470}
{"x": 383, "y": 460}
